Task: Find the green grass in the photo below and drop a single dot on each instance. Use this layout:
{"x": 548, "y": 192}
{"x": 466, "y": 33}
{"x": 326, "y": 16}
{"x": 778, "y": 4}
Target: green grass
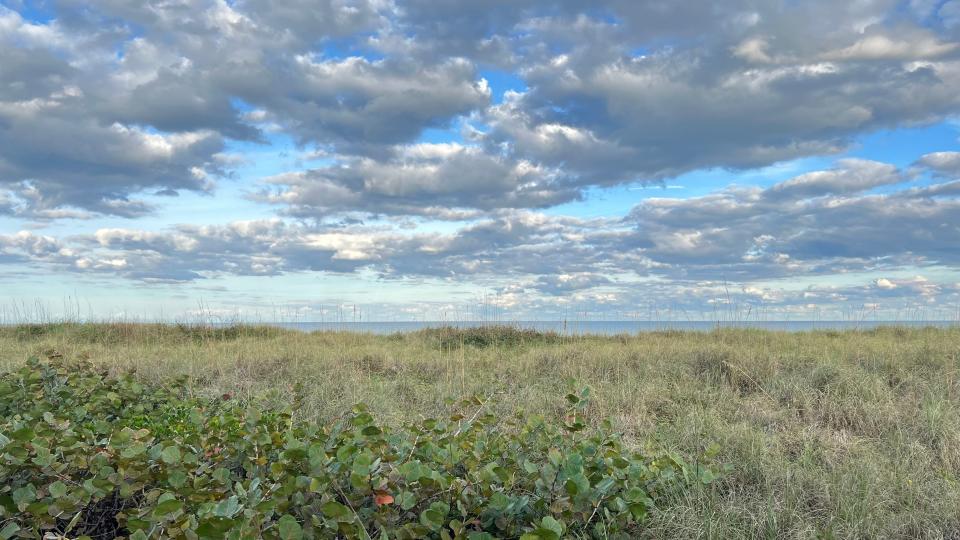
{"x": 830, "y": 434}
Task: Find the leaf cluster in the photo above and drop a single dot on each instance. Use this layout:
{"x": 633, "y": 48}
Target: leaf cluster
{"x": 87, "y": 454}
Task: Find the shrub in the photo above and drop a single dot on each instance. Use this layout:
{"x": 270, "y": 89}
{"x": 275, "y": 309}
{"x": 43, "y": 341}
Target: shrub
{"x": 490, "y": 336}
{"x": 120, "y": 332}
{"x": 84, "y": 454}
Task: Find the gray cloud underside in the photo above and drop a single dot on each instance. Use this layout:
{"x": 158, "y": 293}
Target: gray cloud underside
{"x": 861, "y": 216}
{"x": 617, "y": 91}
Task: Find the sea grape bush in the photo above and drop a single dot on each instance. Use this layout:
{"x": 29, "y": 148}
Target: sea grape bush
{"x": 86, "y": 454}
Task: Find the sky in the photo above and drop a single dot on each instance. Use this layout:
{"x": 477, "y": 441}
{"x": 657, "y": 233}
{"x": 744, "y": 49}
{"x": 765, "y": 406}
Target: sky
{"x": 513, "y": 159}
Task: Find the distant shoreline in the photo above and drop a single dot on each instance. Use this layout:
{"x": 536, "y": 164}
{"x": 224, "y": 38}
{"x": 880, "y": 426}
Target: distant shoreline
{"x": 600, "y": 327}
{"x": 566, "y": 328}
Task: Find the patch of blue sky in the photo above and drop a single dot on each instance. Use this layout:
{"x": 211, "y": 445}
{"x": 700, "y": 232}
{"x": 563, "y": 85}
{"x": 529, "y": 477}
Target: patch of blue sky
{"x": 349, "y": 47}
{"x": 231, "y": 200}
{"x": 501, "y": 82}
{"x": 38, "y": 12}
{"x": 9, "y": 225}
{"x": 902, "y": 146}
{"x": 241, "y": 105}
{"x": 252, "y": 298}
{"x": 441, "y": 135}
{"x": 44, "y": 295}
{"x": 929, "y": 12}
{"x": 279, "y": 153}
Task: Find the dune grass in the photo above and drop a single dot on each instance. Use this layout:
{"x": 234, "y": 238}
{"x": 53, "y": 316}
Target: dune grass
{"x": 829, "y": 434}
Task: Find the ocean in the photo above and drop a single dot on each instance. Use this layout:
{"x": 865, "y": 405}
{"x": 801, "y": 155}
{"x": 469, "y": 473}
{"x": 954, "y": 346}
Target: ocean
{"x": 605, "y": 327}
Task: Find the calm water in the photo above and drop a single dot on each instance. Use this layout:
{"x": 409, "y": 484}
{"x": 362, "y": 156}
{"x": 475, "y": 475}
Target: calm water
{"x": 607, "y": 327}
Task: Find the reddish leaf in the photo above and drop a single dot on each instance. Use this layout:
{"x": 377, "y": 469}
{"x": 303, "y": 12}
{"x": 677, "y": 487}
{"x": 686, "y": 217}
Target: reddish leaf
{"x": 382, "y": 498}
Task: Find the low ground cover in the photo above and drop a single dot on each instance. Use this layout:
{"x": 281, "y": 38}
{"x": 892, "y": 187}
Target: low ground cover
{"x": 827, "y": 434}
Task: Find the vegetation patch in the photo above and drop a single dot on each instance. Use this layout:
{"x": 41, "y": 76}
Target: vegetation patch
{"x": 87, "y": 454}
{"x": 119, "y": 333}
{"x": 490, "y": 336}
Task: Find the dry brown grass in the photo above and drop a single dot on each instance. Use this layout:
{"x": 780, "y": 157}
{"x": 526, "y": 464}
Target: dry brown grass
{"x": 830, "y": 434}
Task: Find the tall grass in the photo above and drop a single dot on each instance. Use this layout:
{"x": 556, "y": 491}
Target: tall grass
{"x": 829, "y": 434}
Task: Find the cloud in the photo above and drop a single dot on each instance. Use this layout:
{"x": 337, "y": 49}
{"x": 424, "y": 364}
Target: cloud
{"x": 564, "y": 284}
{"x": 816, "y": 224}
{"x": 796, "y": 246}
{"x": 107, "y": 101}
{"x": 306, "y": 20}
{"x": 354, "y": 103}
{"x": 943, "y": 164}
{"x": 445, "y": 181}
{"x": 514, "y": 244}
{"x": 850, "y": 176}
{"x": 90, "y": 115}
{"x": 653, "y": 117}
{"x": 885, "y": 283}
{"x": 58, "y": 150}
{"x": 882, "y": 47}
{"x": 617, "y": 92}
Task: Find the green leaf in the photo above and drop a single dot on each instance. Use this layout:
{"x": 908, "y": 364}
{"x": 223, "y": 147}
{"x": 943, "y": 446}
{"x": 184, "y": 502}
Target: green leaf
{"x": 227, "y": 508}
{"x": 133, "y": 450}
{"x": 221, "y": 475}
{"x": 289, "y": 528}
{"x": 638, "y": 510}
{"x": 23, "y": 434}
{"x": 706, "y": 475}
{"x": 167, "y": 507}
{"x": 214, "y": 528}
{"x": 177, "y": 478}
{"x": 635, "y": 494}
{"x": 407, "y": 500}
{"x": 554, "y": 456}
{"x": 552, "y": 524}
{"x": 170, "y": 454}
{"x": 57, "y": 489}
{"x": 361, "y": 465}
{"x": 24, "y": 495}
{"x": 435, "y": 516}
{"x": 9, "y": 530}
{"x": 432, "y": 518}
{"x": 335, "y": 510}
